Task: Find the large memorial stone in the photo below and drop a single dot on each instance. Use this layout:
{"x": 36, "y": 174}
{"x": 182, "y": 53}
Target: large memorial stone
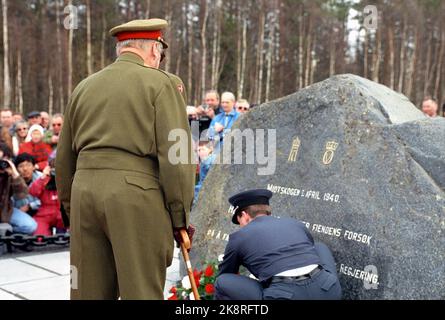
{"x": 361, "y": 167}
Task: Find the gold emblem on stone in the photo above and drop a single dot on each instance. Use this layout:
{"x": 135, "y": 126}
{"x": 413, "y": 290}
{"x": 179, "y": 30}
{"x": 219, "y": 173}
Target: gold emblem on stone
{"x": 294, "y": 150}
{"x": 328, "y": 156}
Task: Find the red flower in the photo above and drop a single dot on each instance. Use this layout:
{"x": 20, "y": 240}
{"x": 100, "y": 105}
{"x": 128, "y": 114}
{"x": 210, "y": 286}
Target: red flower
{"x": 173, "y": 290}
{"x": 173, "y": 297}
{"x": 197, "y": 276}
{"x": 209, "y": 288}
{"x": 197, "y": 273}
{"x": 209, "y": 271}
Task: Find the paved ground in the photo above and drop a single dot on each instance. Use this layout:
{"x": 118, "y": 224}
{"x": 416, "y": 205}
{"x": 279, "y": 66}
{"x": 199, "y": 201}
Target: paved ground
{"x": 46, "y": 275}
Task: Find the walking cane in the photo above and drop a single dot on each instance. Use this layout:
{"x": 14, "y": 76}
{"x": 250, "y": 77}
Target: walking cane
{"x": 185, "y": 245}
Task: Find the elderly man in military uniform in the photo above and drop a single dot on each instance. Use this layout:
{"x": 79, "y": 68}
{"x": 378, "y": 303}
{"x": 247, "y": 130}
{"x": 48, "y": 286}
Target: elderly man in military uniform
{"x": 123, "y": 195}
{"x": 280, "y": 253}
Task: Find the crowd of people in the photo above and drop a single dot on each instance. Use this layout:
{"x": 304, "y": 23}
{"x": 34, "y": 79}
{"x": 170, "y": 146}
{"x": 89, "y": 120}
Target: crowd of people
{"x": 28, "y": 146}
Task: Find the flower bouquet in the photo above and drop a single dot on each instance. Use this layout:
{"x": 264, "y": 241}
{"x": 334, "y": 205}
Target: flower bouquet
{"x": 204, "y": 279}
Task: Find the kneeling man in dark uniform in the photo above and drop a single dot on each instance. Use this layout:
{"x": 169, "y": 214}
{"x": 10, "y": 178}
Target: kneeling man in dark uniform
{"x": 279, "y": 252}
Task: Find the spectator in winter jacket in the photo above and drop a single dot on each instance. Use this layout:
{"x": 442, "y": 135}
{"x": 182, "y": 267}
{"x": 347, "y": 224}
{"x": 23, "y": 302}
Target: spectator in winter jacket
{"x": 52, "y": 136}
{"x": 35, "y": 146}
{"x": 207, "y": 158}
{"x": 19, "y": 136}
{"x": 25, "y": 165}
{"x": 12, "y": 188}
{"x": 48, "y": 216}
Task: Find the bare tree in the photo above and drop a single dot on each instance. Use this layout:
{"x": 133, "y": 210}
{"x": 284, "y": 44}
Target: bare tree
{"x": 189, "y": 20}
{"x": 103, "y": 41}
{"x": 376, "y": 57}
{"x": 243, "y": 58}
{"x": 7, "y": 90}
{"x": 308, "y": 52}
{"x": 19, "y": 82}
{"x": 59, "y": 57}
{"x": 70, "y": 57}
{"x": 168, "y": 17}
{"x": 434, "y": 63}
{"x": 89, "y": 49}
{"x": 50, "y": 94}
{"x": 147, "y": 9}
{"x": 183, "y": 42}
{"x": 216, "y": 50}
{"x": 313, "y": 60}
{"x": 391, "y": 56}
{"x": 238, "y": 52}
{"x": 260, "y": 57}
{"x": 439, "y": 73}
{"x": 332, "y": 51}
{"x": 273, "y": 25}
{"x": 242, "y": 55}
{"x": 205, "y": 7}
{"x": 402, "y": 53}
{"x": 428, "y": 65}
{"x": 412, "y": 58}
{"x": 365, "y": 54}
{"x": 300, "y": 47}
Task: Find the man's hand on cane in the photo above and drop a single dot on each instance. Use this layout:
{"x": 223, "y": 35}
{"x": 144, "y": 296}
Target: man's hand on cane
{"x": 177, "y": 235}
{"x": 184, "y": 238}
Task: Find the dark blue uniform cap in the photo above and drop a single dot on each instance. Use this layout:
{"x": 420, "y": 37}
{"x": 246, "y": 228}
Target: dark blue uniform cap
{"x": 244, "y": 199}
{"x": 33, "y": 114}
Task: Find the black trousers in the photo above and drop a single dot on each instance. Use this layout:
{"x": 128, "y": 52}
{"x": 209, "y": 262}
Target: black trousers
{"x": 322, "y": 286}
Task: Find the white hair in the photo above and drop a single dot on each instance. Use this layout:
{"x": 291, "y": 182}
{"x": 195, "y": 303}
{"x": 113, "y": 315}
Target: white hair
{"x": 229, "y": 96}
{"x": 142, "y": 44}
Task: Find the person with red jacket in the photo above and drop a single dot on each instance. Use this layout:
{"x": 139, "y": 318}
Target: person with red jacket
{"x": 35, "y": 146}
{"x": 48, "y": 215}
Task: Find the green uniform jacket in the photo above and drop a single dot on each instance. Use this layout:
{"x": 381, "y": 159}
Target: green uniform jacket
{"x": 128, "y": 110}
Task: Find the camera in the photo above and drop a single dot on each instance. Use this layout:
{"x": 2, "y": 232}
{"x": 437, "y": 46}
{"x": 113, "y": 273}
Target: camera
{"x": 4, "y": 164}
{"x": 52, "y": 181}
{"x": 205, "y": 107}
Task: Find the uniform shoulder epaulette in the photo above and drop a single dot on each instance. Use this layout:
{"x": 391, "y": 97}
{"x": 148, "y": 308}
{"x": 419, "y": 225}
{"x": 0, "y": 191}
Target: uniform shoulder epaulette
{"x": 168, "y": 75}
